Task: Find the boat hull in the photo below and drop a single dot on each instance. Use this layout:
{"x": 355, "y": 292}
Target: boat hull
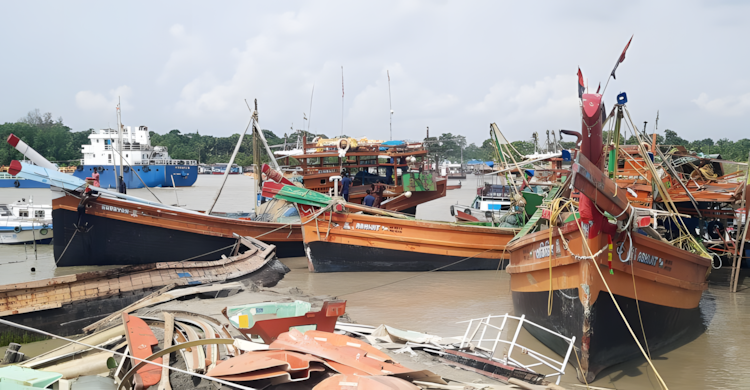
{"x": 334, "y": 257}
{"x": 367, "y": 243}
{"x": 26, "y": 236}
{"x": 610, "y": 341}
{"x": 64, "y": 305}
{"x": 124, "y": 233}
{"x": 668, "y": 283}
{"x": 152, "y": 175}
{"x": 21, "y": 183}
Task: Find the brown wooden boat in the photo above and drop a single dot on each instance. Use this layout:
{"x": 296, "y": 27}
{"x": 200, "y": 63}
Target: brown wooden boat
{"x": 323, "y": 159}
{"x": 106, "y": 231}
{"x": 454, "y": 186}
{"x": 65, "y": 304}
{"x": 344, "y": 240}
{"x": 648, "y": 277}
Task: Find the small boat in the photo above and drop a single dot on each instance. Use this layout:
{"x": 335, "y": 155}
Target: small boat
{"x": 59, "y": 304}
{"x": 344, "y": 240}
{"x": 453, "y": 186}
{"x": 24, "y": 222}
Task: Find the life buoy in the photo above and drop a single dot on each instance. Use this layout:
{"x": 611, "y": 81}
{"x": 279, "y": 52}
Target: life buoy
{"x": 16, "y": 183}
{"x": 146, "y": 168}
{"x": 126, "y": 169}
{"x": 467, "y": 211}
{"x": 43, "y": 232}
{"x": 101, "y": 169}
{"x": 453, "y": 211}
{"x": 17, "y": 229}
{"x": 79, "y": 168}
{"x": 488, "y": 214}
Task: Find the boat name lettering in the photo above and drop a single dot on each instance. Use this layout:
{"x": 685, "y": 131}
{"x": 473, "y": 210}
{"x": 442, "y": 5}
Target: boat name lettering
{"x": 652, "y": 260}
{"x": 366, "y": 226}
{"x": 179, "y": 167}
{"x": 395, "y": 229}
{"x": 543, "y": 250}
{"x": 115, "y": 209}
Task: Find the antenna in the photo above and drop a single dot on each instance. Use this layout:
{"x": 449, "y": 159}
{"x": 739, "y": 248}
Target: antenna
{"x": 657, "y": 122}
{"x": 309, "y": 119}
{"x": 342, "y": 100}
{"x": 390, "y": 107}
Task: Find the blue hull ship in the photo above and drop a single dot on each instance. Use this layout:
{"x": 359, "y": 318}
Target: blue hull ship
{"x": 152, "y": 175}
{"x": 139, "y": 159}
{"x": 9, "y": 181}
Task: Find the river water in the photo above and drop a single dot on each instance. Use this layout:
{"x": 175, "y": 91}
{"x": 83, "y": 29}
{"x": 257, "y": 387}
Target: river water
{"x": 435, "y": 302}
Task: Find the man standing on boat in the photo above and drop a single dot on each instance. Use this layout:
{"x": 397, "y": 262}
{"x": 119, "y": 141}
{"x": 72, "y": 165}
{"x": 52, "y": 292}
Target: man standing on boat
{"x": 369, "y": 199}
{"x": 345, "y": 183}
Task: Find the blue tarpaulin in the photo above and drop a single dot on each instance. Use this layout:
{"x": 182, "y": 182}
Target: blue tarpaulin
{"x": 390, "y": 143}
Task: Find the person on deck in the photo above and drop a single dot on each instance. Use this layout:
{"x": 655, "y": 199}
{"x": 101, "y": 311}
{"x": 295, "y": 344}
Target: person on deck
{"x": 346, "y": 182}
{"x": 369, "y": 199}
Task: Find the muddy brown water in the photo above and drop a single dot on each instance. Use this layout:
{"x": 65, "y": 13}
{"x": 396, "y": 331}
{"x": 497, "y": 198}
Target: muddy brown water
{"x": 435, "y": 302}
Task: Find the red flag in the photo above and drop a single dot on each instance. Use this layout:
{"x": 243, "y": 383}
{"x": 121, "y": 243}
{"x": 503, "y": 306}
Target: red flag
{"x": 581, "y": 88}
{"x": 599, "y": 87}
{"x": 622, "y": 58}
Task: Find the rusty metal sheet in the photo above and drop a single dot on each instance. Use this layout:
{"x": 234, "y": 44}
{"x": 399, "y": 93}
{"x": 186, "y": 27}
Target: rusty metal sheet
{"x": 350, "y": 356}
{"x": 260, "y": 360}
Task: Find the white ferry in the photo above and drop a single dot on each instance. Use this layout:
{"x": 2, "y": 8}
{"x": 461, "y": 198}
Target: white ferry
{"x": 23, "y": 222}
{"x": 151, "y": 163}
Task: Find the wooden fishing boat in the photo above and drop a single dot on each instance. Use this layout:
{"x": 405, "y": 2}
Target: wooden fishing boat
{"x": 103, "y": 227}
{"x": 343, "y": 240}
{"x": 561, "y": 277}
{"x": 65, "y": 304}
{"x": 454, "y": 186}
{"x": 102, "y": 230}
{"x": 372, "y": 165}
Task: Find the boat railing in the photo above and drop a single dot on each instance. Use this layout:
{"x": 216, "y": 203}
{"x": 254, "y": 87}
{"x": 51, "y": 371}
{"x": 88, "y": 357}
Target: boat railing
{"x": 131, "y": 147}
{"x": 480, "y": 330}
{"x": 157, "y": 162}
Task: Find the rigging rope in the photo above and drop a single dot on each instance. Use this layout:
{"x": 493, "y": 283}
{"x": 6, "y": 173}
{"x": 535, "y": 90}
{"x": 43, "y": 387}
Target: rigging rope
{"x": 619, "y": 310}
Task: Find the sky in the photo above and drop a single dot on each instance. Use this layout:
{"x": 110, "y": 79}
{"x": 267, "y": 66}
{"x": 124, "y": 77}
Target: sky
{"x": 454, "y": 66}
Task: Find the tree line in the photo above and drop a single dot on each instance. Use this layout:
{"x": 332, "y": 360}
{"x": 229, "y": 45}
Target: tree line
{"x": 60, "y": 144}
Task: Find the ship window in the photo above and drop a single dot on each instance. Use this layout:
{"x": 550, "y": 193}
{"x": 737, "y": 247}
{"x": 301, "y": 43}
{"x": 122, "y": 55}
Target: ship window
{"x": 322, "y": 181}
{"x": 126, "y": 155}
{"x": 39, "y": 214}
{"x": 23, "y": 213}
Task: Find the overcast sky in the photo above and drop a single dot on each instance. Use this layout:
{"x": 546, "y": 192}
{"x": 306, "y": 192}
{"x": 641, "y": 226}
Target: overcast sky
{"x": 454, "y": 66}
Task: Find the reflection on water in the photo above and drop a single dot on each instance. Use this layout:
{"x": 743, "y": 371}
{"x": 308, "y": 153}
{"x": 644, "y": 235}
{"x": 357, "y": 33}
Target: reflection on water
{"x": 435, "y": 302}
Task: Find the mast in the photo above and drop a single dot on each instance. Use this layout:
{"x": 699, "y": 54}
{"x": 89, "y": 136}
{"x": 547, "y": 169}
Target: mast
{"x": 119, "y": 135}
{"x": 390, "y": 107}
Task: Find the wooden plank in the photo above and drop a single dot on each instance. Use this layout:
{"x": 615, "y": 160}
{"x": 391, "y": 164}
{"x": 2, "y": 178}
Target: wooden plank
{"x": 593, "y": 183}
{"x": 127, "y": 309}
{"x": 29, "y": 309}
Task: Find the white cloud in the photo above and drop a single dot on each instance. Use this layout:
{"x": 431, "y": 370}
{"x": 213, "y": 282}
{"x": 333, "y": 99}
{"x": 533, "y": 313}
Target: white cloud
{"x": 94, "y": 101}
{"x": 191, "y": 52}
{"x": 724, "y": 106}
{"x": 551, "y": 101}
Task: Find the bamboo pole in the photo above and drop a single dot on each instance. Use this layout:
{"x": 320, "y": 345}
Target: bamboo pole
{"x": 229, "y": 166}
{"x": 741, "y": 235}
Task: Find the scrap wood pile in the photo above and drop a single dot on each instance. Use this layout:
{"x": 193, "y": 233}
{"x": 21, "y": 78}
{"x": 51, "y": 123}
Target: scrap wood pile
{"x": 264, "y": 345}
